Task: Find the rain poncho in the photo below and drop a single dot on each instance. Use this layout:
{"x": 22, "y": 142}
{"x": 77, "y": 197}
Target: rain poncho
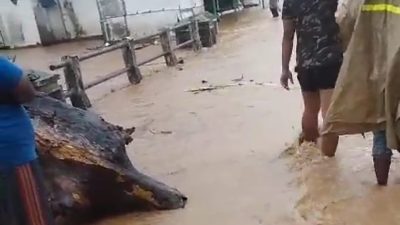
{"x": 367, "y": 93}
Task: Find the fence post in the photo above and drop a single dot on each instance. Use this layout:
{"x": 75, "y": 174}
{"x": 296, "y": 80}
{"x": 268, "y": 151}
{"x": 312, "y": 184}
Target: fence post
{"x": 166, "y": 43}
{"x": 129, "y": 55}
{"x": 195, "y": 34}
{"x": 73, "y": 78}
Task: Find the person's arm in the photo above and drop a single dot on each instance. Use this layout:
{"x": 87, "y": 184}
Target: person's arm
{"x": 287, "y": 43}
{"x": 24, "y": 92}
{"x": 14, "y": 87}
{"x": 288, "y": 17}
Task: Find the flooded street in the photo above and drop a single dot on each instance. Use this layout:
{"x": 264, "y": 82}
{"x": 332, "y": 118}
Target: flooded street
{"x": 225, "y": 149}
{"x": 225, "y": 145}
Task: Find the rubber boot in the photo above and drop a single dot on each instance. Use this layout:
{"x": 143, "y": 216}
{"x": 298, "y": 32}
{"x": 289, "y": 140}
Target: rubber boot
{"x": 382, "y": 166}
{"x": 275, "y": 12}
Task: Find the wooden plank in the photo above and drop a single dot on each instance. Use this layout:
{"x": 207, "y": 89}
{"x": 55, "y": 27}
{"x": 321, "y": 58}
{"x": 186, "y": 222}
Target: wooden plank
{"x": 105, "y": 50}
{"x": 151, "y": 59}
{"x": 106, "y": 78}
{"x": 102, "y": 51}
{"x": 184, "y": 44}
{"x": 90, "y": 55}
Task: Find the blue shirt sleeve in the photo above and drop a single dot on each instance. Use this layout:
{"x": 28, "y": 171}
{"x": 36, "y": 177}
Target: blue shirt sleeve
{"x": 10, "y": 75}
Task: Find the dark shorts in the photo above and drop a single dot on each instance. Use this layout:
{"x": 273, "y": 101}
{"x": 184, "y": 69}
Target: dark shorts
{"x": 23, "y": 199}
{"x": 314, "y": 79}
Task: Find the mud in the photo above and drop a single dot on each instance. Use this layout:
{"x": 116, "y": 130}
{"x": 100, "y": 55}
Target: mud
{"x": 225, "y": 149}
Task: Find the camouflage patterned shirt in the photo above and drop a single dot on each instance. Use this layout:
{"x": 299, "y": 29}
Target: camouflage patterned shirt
{"x": 318, "y": 42}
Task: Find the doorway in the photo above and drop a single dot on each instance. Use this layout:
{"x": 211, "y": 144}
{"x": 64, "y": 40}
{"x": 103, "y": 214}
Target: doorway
{"x": 114, "y": 24}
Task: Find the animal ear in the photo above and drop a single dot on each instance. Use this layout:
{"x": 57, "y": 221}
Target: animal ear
{"x": 15, "y": 2}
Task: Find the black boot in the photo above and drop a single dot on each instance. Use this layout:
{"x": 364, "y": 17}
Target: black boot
{"x": 382, "y": 166}
{"x": 275, "y": 12}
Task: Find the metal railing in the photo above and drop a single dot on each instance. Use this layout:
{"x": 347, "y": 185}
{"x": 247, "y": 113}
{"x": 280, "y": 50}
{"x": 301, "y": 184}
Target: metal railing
{"x": 76, "y": 88}
{"x": 151, "y": 11}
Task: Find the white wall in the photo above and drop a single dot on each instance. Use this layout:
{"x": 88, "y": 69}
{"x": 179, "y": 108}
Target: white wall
{"x": 139, "y": 25}
{"x": 253, "y": 2}
{"x": 144, "y": 24}
{"x": 88, "y": 16}
{"x": 18, "y": 25}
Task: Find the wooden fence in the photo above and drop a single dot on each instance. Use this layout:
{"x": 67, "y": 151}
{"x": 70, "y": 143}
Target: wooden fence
{"x": 76, "y": 88}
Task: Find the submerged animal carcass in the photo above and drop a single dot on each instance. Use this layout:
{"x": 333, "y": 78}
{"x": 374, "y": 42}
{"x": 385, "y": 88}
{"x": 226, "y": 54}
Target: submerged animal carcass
{"x": 87, "y": 171}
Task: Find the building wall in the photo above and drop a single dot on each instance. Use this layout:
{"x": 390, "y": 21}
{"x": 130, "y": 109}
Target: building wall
{"x": 88, "y": 17}
{"x": 141, "y": 21}
{"x": 17, "y": 24}
{"x": 252, "y": 2}
{"x": 28, "y": 23}
{"x": 147, "y": 17}
{"x": 52, "y": 24}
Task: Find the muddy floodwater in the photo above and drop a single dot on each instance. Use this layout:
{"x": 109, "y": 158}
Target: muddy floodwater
{"x": 229, "y": 150}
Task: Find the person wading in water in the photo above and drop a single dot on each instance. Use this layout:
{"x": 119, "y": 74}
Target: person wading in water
{"x": 319, "y": 58}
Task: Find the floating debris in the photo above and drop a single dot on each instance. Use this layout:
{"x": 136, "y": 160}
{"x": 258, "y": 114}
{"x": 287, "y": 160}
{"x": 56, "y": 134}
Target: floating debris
{"x": 165, "y": 132}
{"x": 212, "y": 87}
{"x": 181, "y": 61}
{"x": 239, "y": 79}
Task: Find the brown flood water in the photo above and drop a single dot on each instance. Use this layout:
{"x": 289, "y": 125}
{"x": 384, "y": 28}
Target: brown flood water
{"x": 226, "y": 149}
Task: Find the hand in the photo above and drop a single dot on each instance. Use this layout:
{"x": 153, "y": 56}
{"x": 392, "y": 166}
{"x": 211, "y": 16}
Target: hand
{"x": 285, "y": 78}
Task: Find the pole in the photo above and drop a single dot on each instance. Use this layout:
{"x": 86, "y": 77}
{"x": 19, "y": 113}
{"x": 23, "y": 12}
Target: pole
{"x": 127, "y": 31}
{"x": 73, "y": 79}
{"x": 102, "y": 21}
{"x": 215, "y": 12}
{"x": 129, "y": 55}
{"x": 195, "y": 34}
{"x": 170, "y": 57}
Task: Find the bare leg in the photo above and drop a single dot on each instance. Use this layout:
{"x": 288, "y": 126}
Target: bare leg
{"x": 309, "y": 124}
{"x": 329, "y": 142}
